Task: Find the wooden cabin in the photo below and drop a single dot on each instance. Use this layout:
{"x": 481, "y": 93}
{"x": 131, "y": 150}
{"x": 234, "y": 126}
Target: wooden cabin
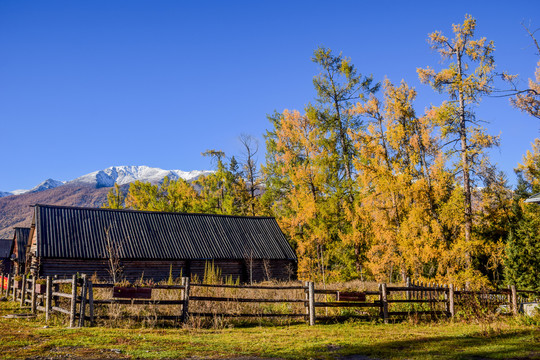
{"x": 154, "y": 245}
{"x": 18, "y": 251}
{"x": 5, "y": 254}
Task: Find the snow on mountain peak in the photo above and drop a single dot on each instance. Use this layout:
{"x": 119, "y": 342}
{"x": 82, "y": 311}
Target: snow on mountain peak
{"x": 47, "y": 184}
{"x": 117, "y": 174}
{"x": 128, "y": 174}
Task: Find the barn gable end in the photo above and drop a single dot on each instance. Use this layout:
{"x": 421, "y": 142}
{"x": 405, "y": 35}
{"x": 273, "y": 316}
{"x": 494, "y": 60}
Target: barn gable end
{"x": 18, "y": 253}
{"x": 5, "y": 254}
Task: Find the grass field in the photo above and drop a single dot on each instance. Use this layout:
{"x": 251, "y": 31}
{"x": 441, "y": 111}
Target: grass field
{"x": 516, "y": 339}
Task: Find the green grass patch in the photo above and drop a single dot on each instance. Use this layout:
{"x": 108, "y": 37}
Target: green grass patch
{"x": 27, "y": 338}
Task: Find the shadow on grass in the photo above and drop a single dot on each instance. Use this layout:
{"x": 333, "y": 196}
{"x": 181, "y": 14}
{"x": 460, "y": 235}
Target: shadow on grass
{"x": 509, "y": 345}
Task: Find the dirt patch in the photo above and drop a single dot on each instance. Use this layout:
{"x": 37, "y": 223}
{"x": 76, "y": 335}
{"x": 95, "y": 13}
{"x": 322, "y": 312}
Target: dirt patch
{"x": 78, "y": 353}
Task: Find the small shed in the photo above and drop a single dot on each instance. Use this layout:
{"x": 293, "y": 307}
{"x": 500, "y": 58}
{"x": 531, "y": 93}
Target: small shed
{"x": 533, "y": 199}
{"x": 155, "y": 245}
{"x": 18, "y": 251}
{"x": 5, "y": 254}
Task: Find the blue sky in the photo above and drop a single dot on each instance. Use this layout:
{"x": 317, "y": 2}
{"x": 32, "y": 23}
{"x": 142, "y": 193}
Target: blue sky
{"x": 85, "y": 85}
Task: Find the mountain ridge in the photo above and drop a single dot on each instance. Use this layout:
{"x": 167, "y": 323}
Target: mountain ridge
{"x": 121, "y": 175}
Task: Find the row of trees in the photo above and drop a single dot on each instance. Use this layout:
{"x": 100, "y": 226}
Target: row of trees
{"x": 364, "y": 187}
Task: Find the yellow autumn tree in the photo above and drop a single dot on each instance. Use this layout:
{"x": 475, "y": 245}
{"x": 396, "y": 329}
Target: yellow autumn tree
{"x": 467, "y": 78}
{"x": 403, "y": 182}
{"x": 115, "y": 198}
{"x": 169, "y": 196}
{"x": 310, "y": 177}
{"x": 305, "y": 209}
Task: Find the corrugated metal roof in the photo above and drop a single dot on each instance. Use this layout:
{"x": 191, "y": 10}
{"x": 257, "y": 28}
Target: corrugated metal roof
{"x": 21, "y": 235}
{"x": 71, "y": 232}
{"x": 5, "y": 248}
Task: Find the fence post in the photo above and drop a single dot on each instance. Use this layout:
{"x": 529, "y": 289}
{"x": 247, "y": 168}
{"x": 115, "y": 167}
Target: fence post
{"x": 306, "y": 297}
{"x": 91, "y": 302}
{"x": 450, "y": 305}
{"x": 311, "y": 303}
{"x": 408, "y": 284}
{"x": 447, "y": 299}
{"x": 185, "y": 305}
{"x": 2, "y": 284}
{"x": 48, "y": 298}
{"x": 33, "y": 306}
{"x": 73, "y": 311}
{"x": 384, "y": 302}
{"x": 55, "y": 289}
{"x": 514, "y": 300}
{"x": 84, "y": 291}
{"x": 10, "y": 286}
{"x": 23, "y": 292}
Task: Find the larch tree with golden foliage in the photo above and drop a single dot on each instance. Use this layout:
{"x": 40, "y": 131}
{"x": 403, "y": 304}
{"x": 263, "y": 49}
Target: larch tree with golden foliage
{"x": 339, "y": 86}
{"x": 303, "y": 208}
{"x": 310, "y": 176}
{"x": 169, "y": 196}
{"x": 402, "y": 181}
{"x": 468, "y": 77}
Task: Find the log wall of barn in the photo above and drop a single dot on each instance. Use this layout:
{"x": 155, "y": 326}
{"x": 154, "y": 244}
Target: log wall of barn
{"x": 158, "y": 270}
{"x": 5, "y": 265}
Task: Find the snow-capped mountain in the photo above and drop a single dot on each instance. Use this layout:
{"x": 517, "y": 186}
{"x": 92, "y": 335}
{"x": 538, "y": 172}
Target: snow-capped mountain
{"x": 46, "y": 185}
{"x": 128, "y": 174}
{"x": 116, "y": 174}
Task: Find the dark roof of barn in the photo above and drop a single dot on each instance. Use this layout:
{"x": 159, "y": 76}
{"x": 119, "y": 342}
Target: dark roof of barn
{"x": 5, "y": 248}
{"x": 71, "y": 232}
{"x": 21, "y": 234}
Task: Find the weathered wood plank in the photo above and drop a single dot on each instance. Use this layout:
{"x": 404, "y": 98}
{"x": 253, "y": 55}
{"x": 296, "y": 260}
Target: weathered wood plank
{"x": 132, "y": 292}
{"x": 63, "y": 295}
{"x": 61, "y": 310}
{"x": 412, "y": 301}
{"x": 347, "y": 304}
{"x": 351, "y": 296}
{"x": 259, "y": 287}
{"x": 246, "y": 315}
{"x": 138, "y": 302}
{"x": 225, "y": 299}
{"x": 405, "y": 313}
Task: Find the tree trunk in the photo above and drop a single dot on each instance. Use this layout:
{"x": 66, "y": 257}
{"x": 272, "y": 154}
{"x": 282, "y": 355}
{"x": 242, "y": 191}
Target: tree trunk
{"x": 465, "y": 164}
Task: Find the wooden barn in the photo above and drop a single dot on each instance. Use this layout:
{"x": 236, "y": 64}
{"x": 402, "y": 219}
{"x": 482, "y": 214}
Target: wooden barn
{"x": 18, "y": 251}
{"x": 5, "y": 254}
{"x": 69, "y": 240}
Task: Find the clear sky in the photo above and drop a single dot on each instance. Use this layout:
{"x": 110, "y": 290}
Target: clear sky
{"x": 85, "y": 85}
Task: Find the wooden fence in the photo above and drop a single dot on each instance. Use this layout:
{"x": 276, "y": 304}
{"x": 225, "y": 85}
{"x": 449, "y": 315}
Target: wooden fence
{"x": 76, "y": 298}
